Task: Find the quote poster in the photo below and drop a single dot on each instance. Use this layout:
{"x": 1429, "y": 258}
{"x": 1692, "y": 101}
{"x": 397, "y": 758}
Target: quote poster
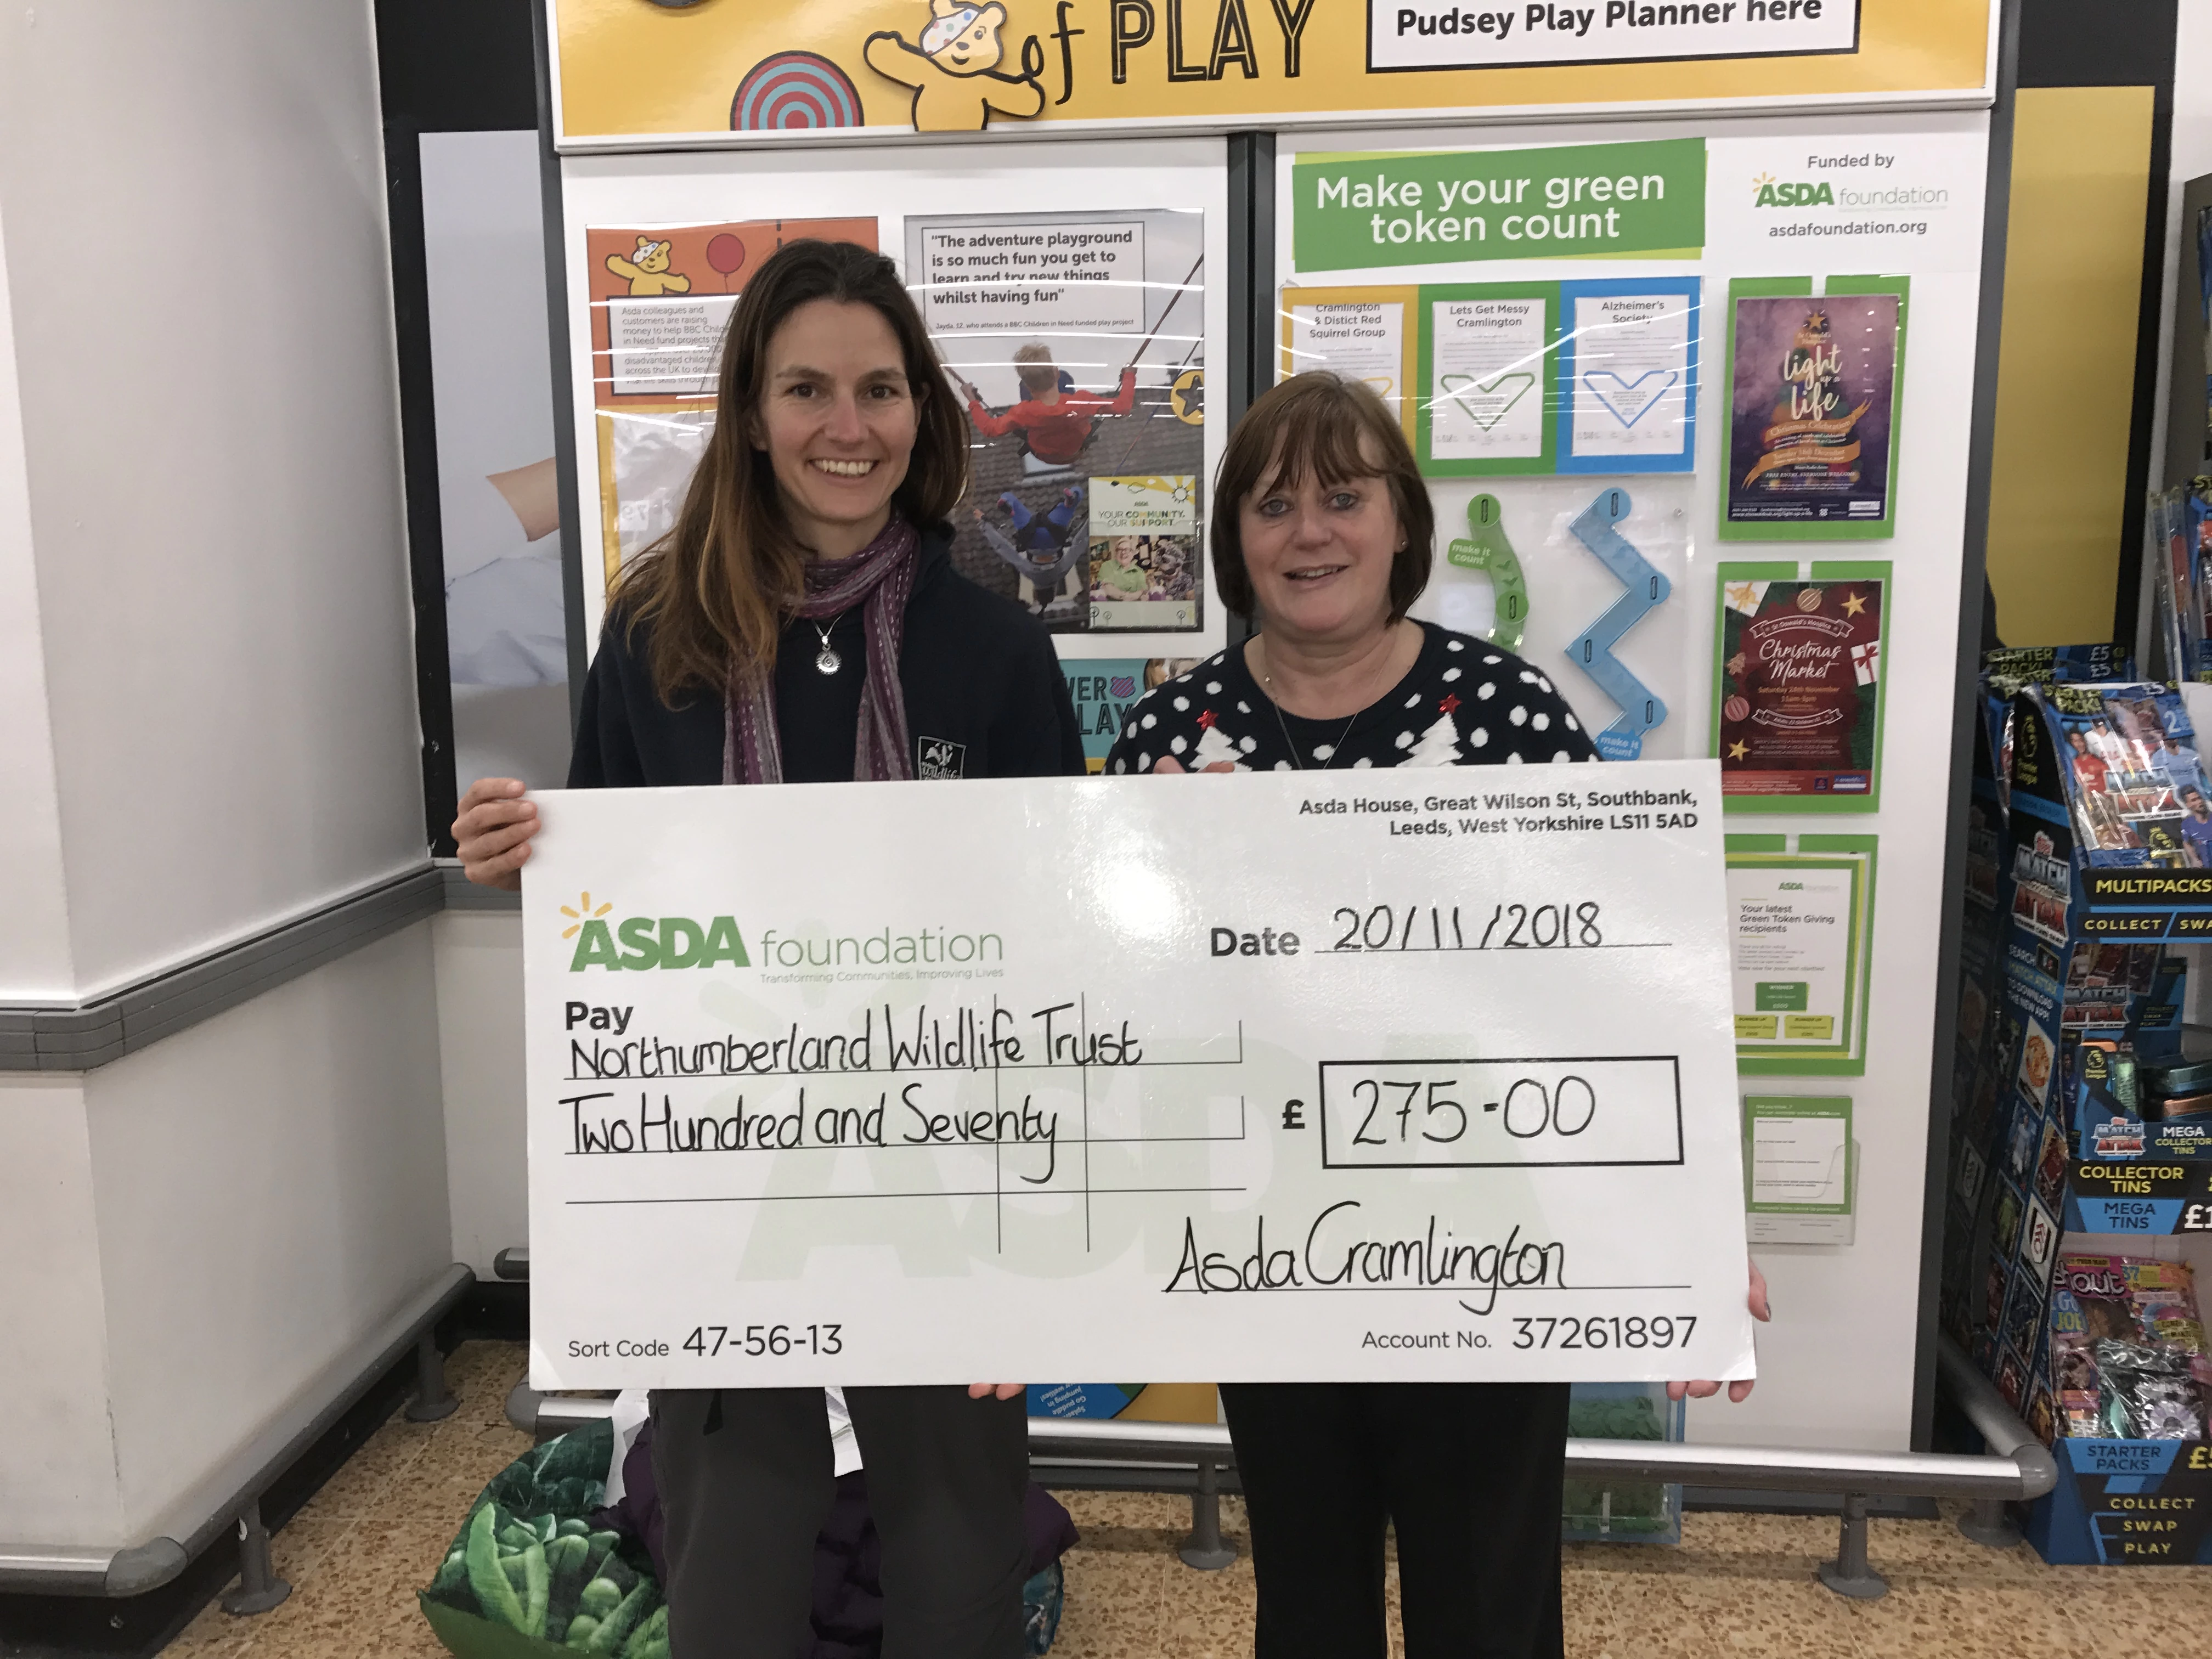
{"x": 1076, "y": 343}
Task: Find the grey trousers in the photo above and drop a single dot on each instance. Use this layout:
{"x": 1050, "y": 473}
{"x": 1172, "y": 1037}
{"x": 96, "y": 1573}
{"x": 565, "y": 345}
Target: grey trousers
{"x": 746, "y": 1481}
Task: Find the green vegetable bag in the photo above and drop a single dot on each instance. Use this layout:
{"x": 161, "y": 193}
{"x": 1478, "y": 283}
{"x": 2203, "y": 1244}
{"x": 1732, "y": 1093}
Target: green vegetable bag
{"x": 526, "y": 1578}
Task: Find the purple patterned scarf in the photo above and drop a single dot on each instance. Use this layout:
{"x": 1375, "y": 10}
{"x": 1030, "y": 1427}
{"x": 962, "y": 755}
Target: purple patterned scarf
{"x": 880, "y": 578}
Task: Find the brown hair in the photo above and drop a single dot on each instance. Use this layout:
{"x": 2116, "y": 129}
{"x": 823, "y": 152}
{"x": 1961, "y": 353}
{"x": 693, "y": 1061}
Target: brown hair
{"x": 1340, "y": 431}
{"x": 714, "y": 592}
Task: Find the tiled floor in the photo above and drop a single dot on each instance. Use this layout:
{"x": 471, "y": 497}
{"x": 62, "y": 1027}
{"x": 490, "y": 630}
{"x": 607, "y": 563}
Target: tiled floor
{"x": 1740, "y": 1584}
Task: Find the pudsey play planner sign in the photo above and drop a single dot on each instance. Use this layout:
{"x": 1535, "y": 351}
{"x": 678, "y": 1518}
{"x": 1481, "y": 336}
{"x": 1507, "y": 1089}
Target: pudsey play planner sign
{"x": 682, "y": 73}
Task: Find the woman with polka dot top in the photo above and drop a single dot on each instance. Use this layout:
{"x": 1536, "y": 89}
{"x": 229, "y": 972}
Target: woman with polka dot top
{"x": 1323, "y": 532}
{"x": 1462, "y": 703}
{"x": 1328, "y": 556}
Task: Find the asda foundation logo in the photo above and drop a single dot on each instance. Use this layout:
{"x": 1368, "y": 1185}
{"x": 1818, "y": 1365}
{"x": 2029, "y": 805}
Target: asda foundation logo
{"x": 639, "y": 942}
{"x": 1786, "y": 192}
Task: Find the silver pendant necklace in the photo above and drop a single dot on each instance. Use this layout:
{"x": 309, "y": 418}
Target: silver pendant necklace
{"x": 1267, "y": 682}
{"x": 1283, "y": 725}
{"x": 827, "y": 661}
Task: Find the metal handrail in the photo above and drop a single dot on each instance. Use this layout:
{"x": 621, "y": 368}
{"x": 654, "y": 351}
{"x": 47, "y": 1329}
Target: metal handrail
{"x": 2019, "y": 1467}
{"x": 1775, "y": 1468}
{"x": 229, "y": 1496}
{"x": 2005, "y": 1435}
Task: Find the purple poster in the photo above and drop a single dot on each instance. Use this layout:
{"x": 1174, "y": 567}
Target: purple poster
{"x": 1811, "y": 416}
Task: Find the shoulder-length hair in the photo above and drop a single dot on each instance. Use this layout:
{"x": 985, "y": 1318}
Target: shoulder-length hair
{"x": 714, "y": 592}
{"x": 1339, "y": 430}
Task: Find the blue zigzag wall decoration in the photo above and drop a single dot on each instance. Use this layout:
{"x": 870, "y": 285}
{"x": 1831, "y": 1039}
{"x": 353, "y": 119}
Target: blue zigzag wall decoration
{"x": 1591, "y": 651}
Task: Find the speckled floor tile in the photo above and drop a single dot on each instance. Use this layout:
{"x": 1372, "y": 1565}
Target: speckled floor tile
{"x": 1938, "y": 1547}
{"x": 344, "y": 1610}
{"x": 451, "y": 1495}
{"x": 1753, "y": 1548}
{"x": 310, "y": 1540}
{"x": 1717, "y": 1534}
{"x": 1920, "y": 1617}
{"x": 1685, "y": 1617}
{"x": 1115, "y": 1604}
{"x": 1214, "y": 1622}
{"x": 1589, "y": 1615}
{"x": 478, "y": 1361}
{"x": 410, "y": 1545}
{"x": 2137, "y": 1610}
{"x": 1142, "y": 1511}
{"x": 476, "y": 1452}
{"x": 368, "y": 1477}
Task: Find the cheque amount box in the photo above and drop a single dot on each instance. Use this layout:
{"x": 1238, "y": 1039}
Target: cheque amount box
{"x": 1577, "y": 1112}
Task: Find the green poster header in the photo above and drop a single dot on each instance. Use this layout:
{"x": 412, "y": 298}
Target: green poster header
{"x": 1352, "y": 212}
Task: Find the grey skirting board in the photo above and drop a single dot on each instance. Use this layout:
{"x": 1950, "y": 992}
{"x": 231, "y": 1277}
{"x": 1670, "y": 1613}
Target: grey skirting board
{"x": 95, "y": 1033}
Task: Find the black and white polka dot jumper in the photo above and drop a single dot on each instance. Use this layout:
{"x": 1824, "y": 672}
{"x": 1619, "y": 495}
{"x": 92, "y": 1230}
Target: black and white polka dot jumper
{"x": 1463, "y": 702}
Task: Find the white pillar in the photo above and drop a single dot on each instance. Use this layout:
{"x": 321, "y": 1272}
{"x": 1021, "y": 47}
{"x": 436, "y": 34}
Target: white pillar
{"x": 207, "y": 730}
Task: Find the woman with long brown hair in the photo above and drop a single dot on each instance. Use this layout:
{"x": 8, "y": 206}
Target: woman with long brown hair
{"x": 802, "y": 623}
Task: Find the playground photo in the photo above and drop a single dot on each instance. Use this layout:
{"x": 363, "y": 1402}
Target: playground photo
{"x": 1075, "y": 342}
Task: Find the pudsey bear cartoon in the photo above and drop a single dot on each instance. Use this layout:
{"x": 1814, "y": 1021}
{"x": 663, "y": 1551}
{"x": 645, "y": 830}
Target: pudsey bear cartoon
{"x": 647, "y": 270}
{"x": 955, "y": 71}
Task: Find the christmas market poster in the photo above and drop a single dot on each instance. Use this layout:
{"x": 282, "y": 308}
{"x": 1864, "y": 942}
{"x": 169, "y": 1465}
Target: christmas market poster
{"x": 1812, "y": 442}
{"x": 1798, "y": 705}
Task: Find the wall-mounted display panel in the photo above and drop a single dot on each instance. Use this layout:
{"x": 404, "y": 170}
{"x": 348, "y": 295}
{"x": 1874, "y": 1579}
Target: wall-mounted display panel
{"x": 1602, "y": 568}
{"x": 631, "y": 74}
{"x": 1071, "y": 297}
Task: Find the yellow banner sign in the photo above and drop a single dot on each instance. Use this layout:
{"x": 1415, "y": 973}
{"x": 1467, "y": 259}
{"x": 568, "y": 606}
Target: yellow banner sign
{"x": 668, "y": 73}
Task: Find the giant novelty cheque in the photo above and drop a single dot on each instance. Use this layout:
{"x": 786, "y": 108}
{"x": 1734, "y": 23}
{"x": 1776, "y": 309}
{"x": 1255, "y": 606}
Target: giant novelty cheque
{"x": 1405, "y": 1075}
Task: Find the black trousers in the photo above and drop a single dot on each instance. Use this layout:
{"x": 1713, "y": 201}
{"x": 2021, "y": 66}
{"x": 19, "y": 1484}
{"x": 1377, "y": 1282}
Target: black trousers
{"x": 1469, "y": 1473}
{"x": 747, "y": 1480}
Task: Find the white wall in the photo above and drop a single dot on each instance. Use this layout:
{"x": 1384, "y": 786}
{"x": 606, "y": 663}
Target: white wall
{"x": 207, "y": 727}
{"x": 57, "y": 1476}
{"x": 34, "y": 947}
{"x": 272, "y": 1184}
{"x": 193, "y": 1233}
{"x": 199, "y": 270}
{"x": 479, "y": 954}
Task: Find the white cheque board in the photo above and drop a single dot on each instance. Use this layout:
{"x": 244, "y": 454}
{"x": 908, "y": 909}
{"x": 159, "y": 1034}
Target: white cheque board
{"x": 1411, "y": 1074}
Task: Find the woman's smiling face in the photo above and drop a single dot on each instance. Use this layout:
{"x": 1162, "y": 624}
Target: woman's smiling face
{"x": 837, "y": 418}
{"x": 1320, "y": 554}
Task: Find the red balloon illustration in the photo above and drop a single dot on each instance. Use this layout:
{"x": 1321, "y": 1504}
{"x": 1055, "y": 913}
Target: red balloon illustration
{"x": 727, "y": 255}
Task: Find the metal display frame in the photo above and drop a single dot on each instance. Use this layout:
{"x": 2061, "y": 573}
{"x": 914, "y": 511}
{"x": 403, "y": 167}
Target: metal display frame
{"x": 1247, "y": 357}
